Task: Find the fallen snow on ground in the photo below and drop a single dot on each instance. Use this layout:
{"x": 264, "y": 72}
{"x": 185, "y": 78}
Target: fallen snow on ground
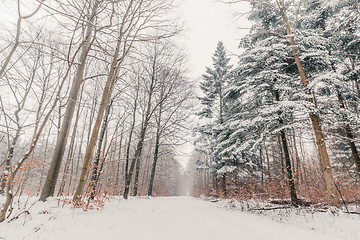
{"x": 174, "y": 218}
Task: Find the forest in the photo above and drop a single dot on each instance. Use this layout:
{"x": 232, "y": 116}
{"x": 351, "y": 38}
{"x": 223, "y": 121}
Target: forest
{"x": 283, "y": 123}
{"x": 96, "y": 101}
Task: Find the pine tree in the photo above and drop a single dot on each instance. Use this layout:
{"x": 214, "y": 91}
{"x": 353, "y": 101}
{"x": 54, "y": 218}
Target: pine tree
{"x": 331, "y": 84}
{"x": 214, "y": 81}
{"x": 262, "y": 97}
{"x": 212, "y": 86}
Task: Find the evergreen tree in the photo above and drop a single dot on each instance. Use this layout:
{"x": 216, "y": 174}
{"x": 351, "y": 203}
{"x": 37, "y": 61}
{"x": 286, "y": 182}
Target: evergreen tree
{"x": 212, "y": 86}
{"x": 214, "y": 81}
{"x": 329, "y": 77}
{"x": 263, "y": 97}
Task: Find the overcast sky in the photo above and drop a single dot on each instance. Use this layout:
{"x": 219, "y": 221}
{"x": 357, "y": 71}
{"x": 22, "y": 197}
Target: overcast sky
{"x": 207, "y": 22}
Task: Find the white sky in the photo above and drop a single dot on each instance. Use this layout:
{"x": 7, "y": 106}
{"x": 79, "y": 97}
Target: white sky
{"x": 207, "y": 22}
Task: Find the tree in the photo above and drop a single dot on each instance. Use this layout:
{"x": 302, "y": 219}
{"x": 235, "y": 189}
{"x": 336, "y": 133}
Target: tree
{"x": 53, "y": 172}
{"x": 137, "y": 17}
{"x": 281, "y": 7}
{"x": 16, "y": 42}
{"x": 261, "y": 99}
{"x": 212, "y": 86}
{"x": 43, "y": 110}
{"x": 174, "y": 106}
{"x": 344, "y": 44}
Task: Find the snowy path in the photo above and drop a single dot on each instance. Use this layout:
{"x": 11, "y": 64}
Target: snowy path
{"x": 154, "y": 219}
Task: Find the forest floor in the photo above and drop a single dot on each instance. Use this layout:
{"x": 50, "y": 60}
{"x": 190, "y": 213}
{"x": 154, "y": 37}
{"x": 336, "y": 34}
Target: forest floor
{"x": 175, "y": 218}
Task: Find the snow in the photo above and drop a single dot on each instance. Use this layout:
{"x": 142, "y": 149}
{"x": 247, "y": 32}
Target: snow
{"x": 175, "y": 218}
{"x": 226, "y": 169}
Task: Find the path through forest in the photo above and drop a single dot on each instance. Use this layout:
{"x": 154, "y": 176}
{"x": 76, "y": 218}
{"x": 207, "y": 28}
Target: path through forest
{"x": 173, "y": 218}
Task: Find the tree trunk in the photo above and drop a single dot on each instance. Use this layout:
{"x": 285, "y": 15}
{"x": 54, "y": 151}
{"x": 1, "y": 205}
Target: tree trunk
{"x": 350, "y": 137}
{"x": 131, "y": 133}
{"x": 8, "y": 161}
{"x": 71, "y": 149}
{"x": 111, "y": 79}
{"x": 53, "y": 173}
{"x": 281, "y": 157}
{"x": 145, "y": 124}
{"x": 298, "y": 172}
{"x": 156, "y": 153}
{"x": 134, "y": 160}
{"x": 332, "y": 192}
{"x": 268, "y": 163}
{"x": 262, "y": 167}
{"x": 289, "y": 172}
{"x": 136, "y": 180}
{"x": 95, "y": 174}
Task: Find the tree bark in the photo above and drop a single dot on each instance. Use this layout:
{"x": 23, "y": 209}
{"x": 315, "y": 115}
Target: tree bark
{"x": 156, "y": 153}
{"x": 111, "y": 79}
{"x": 95, "y": 174}
{"x": 298, "y": 172}
{"x": 131, "y": 133}
{"x": 53, "y": 173}
{"x": 281, "y": 157}
{"x": 332, "y": 192}
{"x": 289, "y": 172}
{"x": 145, "y": 124}
{"x": 350, "y": 137}
{"x": 70, "y": 155}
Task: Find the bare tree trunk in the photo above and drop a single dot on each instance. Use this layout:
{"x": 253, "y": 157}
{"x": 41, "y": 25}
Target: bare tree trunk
{"x": 134, "y": 160}
{"x": 131, "y": 133}
{"x": 8, "y": 161}
{"x": 298, "y": 171}
{"x": 95, "y": 175}
{"x": 144, "y": 126}
{"x": 332, "y": 192}
{"x": 223, "y": 185}
{"x": 289, "y": 172}
{"x": 136, "y": 180}
{"x": 71, "y": 149}
{"x": 53, "y": 173}
{"x": 94, "y": 135}
{"x": 156, "y": 152}
{"x": 268, "y": 163}
{"x": 125, "y": 40}
{"x": 350, "y": 137}
{"x": 281, "y": 157}
{"x": 119, "y": 157}
{"x": 262, "y": 166}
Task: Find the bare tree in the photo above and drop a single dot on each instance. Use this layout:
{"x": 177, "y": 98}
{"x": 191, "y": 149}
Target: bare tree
{"x": 43, "y": 111}
{"x": 16, "y": 41}
{"x": 51, "y": 179}
{"x": 137, "y": 18}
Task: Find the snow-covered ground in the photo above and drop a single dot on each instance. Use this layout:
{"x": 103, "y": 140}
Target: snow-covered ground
{"x": 174, "y": 218}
